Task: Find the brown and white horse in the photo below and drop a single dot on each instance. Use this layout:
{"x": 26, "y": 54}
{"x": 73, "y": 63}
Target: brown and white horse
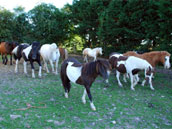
{"x": 154, "y": 57}
{"x": 83, "y": 74}
{"x": 91, "y": 53}
{"x": 131, "y": 65}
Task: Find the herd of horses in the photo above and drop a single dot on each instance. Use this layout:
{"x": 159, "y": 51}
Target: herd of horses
{"x": 129, "y": 64}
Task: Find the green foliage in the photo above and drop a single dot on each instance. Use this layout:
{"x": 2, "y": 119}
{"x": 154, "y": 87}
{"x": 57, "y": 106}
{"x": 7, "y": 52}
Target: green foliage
{"x": 6, "y": 24}
{"x": 48, "y": 24}
{"x": 114, "y": 25}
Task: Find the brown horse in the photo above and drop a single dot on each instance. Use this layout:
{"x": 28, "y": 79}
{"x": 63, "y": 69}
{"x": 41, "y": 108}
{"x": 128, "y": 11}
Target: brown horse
{"x": 63, "y": 53}
{"x": 5, "y": 49}
{"x": 154, "y": 57}
{"x": 84, "y": 74}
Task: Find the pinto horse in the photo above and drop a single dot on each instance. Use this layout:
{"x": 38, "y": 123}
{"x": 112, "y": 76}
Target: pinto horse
{"x": 5, "y": 49}
{"x": 17, "y": 52}
{"x": 132, "y": 65}
{"x": 91, "y": 53}
{"x": 153, "y": 57}
{"x": 32, "y": 54}
{"x": 50, "y": 52}
{"x": 83, "y": 74}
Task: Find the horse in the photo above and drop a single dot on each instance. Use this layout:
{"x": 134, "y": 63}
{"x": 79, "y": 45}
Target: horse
{"x": 50, "y": 52}
{"x": 5, "y": 49}
{"x": 32, "y": 54}
{"x": 154, "y": 57}
{"x": 63, "y": 53}
{"x": 91, "y": 53}
{"x": 17, "y": 52}
{"x": 132, "y": 65}
{"x": 84, "y": 74}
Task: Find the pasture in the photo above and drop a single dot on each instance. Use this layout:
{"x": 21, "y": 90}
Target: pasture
{"x": 40, "y": 103}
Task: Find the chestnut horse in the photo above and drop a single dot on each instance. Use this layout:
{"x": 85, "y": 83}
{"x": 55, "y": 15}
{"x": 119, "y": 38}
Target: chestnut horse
{"x": 83, "y": 74}
{"x": 63, "y": 53}
{"x": 5, "y": 49}
{"x": 153, "y": 57}
{"x": 92, "y": 53}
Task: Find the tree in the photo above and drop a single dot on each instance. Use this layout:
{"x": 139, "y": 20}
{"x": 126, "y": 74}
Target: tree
{"x": 6, "y": 24}
{"x": 49, "y": 24}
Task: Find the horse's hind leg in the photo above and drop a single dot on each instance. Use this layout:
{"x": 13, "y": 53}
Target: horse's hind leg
{"x": 16, "y": 67}
{"x": 52, "y": 65}
{"x": 3, "y": 60}
{"x": 117, "y": 76}
{"x": 65, "y": 82}
{"x": 11, "y": 59}
{"x": 57, "y": 61}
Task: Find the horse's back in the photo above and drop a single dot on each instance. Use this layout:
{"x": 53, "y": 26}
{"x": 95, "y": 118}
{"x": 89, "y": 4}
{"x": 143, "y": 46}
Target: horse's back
{"x": 135, "y": 62}
{"x": 45, "y": 51}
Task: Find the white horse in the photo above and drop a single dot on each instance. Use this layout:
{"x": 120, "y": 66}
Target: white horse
{"x": 132, "y": 65}
{"x": 92, "y": 53}
{"x": 50, "y": 52}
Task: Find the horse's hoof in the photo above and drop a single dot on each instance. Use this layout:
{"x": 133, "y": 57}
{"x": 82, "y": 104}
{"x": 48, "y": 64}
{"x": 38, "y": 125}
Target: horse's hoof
{"x": 132, "y": 89}
{"x": 152, "y": 89}
{"x": 121, "y": 85}
{"x": 83, "y": 101}
{"x": 66, "y": 95}
{"x": 93, "y": 107}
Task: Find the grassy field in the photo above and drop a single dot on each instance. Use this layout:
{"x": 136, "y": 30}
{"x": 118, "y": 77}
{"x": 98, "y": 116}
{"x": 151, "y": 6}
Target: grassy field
{"x": 40, "y": 103}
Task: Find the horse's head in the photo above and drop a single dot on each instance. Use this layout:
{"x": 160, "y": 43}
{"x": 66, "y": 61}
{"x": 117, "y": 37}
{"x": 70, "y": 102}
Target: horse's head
{"x": 100, "y": 51}
{"x": 103, "y": 68}
{"x": 166, "y": 59}
{"x": 35, "y": 49}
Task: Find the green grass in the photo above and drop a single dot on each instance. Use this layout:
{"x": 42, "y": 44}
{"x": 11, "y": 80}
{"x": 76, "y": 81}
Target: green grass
{"x": 142, "y": 108}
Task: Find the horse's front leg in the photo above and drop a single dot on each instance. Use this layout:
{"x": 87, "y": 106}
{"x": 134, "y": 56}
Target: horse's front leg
{"x": 33, "y": 70}
{"x": 16, "y": 67}
{"x": 6, "y": 59}
{"x": 45, "y": 66}
{"x": 40, "y": 68}
{"x": 52, "y": 65}
{"x": 11, "y": 59}
{"x": 90, "y": 98}
{"x": 150, "y": 82}
{"x": 132, "y": 79}
{"x": 83, "y": 97}
{"x": 95, "y": 58}
{"x": 25, "y": 67}
{"x": 57, "y": 61}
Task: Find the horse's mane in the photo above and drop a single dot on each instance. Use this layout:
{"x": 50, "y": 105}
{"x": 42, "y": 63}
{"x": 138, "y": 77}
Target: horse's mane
{"x": 89, "y": 68}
